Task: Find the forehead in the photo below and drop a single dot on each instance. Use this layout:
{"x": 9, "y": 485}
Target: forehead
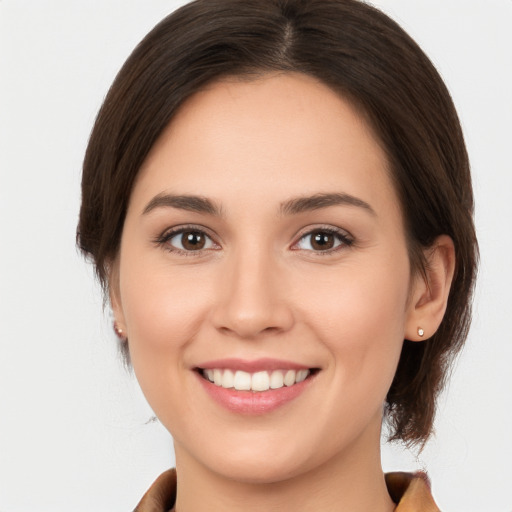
{"x": 281, "y": 134}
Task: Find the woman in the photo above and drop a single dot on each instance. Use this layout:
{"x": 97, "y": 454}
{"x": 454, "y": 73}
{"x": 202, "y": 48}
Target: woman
{"x": 277, "y": 199}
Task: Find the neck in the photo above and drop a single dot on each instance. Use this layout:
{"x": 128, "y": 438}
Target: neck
{"x": 352, "y": 481}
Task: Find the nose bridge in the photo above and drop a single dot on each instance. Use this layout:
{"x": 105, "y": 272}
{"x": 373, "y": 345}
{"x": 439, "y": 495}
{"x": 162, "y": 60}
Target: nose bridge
{"x": 251, "y": 299}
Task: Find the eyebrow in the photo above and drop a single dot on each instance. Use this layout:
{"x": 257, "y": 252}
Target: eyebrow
{"x": 190, "y": 203}
{"x": 200, "y": 204}
{"x": 319, "y": 201}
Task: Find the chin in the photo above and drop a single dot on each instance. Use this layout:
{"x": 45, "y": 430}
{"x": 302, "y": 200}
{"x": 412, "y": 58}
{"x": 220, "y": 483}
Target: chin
{"x": 257, "y": 471}
{"x": 258, "y": 462}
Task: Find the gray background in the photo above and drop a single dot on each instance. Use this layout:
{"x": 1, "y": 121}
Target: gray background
{"x": 74, "y": 431}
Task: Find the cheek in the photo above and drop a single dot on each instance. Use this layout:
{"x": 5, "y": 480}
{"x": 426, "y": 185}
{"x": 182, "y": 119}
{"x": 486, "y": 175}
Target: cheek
{"x": 163, "y": 315}
{"x": 357, "y": 300}
{"x": 359, "y": 314}
{"x": 162, "y": 306}
{"x": 162, "y": 310}
{"x": 360, "y": 320}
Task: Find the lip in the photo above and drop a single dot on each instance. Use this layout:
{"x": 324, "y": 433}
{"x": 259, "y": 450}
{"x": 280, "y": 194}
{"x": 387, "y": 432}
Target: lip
{"x": 251, "y": 402}
{"x": 256, "y": 365}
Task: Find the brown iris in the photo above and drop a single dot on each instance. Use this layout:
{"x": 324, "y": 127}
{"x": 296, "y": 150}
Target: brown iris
{"x": 322, "y": 241}
{"x": 193, "y": 240}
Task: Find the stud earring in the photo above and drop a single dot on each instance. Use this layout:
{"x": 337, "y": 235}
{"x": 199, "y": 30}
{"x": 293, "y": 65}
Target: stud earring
{"x": 119, "y": 332}
{"x": 421, "y": 332}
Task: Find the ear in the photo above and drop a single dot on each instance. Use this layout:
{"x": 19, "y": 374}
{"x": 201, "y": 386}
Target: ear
{"x": 429, "y": 293}
{"x": 115, "y": 297}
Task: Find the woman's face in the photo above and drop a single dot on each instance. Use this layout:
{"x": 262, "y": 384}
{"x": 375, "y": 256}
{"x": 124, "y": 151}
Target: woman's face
{"x": 263, "y": 244}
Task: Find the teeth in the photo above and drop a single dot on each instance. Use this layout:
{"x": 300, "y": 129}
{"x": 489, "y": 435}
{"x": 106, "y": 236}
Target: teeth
{"x": 289, "y": 378}
{"x": 276, "y": 380}
{"x": 259, "y": 381}
{"x": 301, "y": 375}
{"x": 242, "y": 381}
{"x": 227, "y": 379}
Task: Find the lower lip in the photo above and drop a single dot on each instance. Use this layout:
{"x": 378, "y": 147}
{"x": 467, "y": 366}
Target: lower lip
{"x": 253, "y": 402}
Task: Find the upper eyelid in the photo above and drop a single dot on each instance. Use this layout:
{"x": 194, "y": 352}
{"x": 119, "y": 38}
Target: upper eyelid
{"x": 322, "y": 227}
{"x": 346, "y": 238}
{"x": 175, "y": 230}
{"x": 169, "y": 233}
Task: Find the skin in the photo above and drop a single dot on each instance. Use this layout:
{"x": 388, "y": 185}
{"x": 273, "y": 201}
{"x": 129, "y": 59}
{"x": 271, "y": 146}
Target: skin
{"x": 259, "y": 288}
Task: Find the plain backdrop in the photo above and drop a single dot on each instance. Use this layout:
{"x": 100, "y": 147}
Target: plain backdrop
{"x": 75, "y": 431}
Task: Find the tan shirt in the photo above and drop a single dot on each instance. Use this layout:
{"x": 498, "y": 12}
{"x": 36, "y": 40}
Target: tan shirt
{"x": 411, "y": 493}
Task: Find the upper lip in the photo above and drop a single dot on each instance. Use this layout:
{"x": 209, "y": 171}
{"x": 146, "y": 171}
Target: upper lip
{"x": 252, "y": 366}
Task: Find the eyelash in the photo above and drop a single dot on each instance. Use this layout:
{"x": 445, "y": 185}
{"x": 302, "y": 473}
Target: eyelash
{"x": 344, "y": 239}
{"x": 163, "y": 240}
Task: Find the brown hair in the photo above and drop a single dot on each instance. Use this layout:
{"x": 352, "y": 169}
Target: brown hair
{"x": 367, "y": 58}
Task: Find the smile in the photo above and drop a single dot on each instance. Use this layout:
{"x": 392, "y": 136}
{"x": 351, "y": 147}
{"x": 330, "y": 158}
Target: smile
{"x": 254, "y": 387}
{"x": 257, "y": 382}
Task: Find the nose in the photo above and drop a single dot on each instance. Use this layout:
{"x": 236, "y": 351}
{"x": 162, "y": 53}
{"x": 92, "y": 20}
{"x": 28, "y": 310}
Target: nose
{"x": 252, "y": 300}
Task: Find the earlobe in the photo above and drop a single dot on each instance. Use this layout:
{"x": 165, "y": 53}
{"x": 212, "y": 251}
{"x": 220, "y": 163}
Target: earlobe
{"x": 115, "y": 301}
{"x": 431, "y": 290}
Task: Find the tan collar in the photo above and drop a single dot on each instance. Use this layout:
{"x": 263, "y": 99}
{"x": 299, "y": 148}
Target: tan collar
{"x": 161, "y": 496}
{"x": 410, "y": 491}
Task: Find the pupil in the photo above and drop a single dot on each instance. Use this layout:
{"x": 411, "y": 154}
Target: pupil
{"x": 193, "y": 240}
{"x": 323, "y": 241}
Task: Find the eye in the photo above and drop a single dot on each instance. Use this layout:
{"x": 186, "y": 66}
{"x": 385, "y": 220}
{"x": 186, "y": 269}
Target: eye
{"x": 323, "y": 240}
{"x": 186, "y": 240}
{"x": 191, "y": 241}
